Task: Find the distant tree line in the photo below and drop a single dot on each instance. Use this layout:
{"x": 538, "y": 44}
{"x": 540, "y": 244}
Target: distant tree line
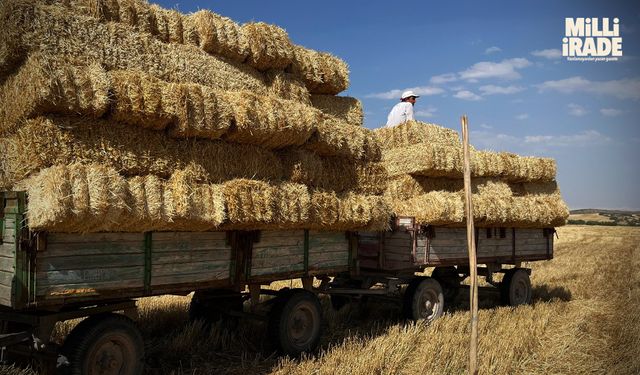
{"x": 607, "y": 223}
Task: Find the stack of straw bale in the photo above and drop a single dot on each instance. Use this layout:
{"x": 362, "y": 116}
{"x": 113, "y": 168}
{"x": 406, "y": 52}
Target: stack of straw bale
{"x": 425, "y": 164}
{"x": 118, "y": 115}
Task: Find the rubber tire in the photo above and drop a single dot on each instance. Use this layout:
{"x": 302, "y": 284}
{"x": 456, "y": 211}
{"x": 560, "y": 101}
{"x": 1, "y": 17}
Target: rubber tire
{"x": 449, "y": 280}
{"x": 511, "y": 288}
{"x": 281, "y": 318}
{"x": 81, "y": 342}
{"x": 413, "y": 303}
{"x": 211, "y": 309}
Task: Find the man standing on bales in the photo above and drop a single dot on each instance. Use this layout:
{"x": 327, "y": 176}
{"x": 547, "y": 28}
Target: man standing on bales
{"x": 403, "y": 111}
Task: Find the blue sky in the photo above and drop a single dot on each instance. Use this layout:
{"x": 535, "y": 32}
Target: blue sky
{"x": 497, "y": 62}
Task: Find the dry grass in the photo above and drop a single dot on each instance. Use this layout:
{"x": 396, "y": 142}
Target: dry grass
{"x": 287, "y": 86}
{"x": 322, "y": 72}
{"x": 269, "y": 45}
{"x": 591, "y": 217}
{"x": 584, "y": 320}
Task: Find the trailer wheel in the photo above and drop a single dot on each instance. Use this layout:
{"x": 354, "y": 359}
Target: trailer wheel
{"x": 295, "y": 322}
{"x": 104, "y": 344}
{"x": 210, "y": 305}
{"x": 515, "y": 288}
{"x": 424, "y": 299}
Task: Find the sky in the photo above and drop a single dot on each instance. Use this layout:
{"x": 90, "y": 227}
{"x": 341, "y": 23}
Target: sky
{"x": 500, "y": 63}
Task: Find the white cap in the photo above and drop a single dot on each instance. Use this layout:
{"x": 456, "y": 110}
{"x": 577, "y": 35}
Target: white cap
{"x": 408, "y": 93}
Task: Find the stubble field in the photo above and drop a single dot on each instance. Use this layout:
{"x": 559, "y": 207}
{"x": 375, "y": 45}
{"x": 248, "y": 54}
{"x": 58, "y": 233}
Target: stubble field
{"x": 585, "y": 319}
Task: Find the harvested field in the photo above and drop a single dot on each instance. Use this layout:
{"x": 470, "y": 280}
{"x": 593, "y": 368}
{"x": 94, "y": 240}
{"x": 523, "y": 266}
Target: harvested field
{"x": 571, "y": 327}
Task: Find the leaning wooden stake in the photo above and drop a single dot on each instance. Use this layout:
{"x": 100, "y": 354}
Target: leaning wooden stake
{"x": 471, "y": 245}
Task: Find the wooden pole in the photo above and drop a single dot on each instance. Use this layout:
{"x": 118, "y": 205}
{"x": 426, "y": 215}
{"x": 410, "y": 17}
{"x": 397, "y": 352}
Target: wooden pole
{"x": 471, "y": 245}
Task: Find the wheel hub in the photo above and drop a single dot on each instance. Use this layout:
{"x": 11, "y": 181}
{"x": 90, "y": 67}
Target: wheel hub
{"x": 301, "y": 325}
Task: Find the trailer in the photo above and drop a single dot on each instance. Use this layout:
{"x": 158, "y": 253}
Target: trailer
{"x": 47, "y": 278}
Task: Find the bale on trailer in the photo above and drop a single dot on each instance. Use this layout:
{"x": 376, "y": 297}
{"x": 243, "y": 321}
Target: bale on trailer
{"x": 343, "y": 108}
{"x": 414, "y": 132}
{"x": 441, "y": 160}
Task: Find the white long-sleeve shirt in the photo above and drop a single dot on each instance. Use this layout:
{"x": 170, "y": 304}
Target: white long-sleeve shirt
{"x": 400, "y": 113}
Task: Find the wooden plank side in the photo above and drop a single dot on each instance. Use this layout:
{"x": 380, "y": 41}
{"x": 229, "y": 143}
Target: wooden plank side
{"x": 268, "y": 252}
{"x": 7, "y": 264}
{"x": 89, "y": 278}
{"x": 87, "y": 262}
{"x": 189, "y": 236}
{"x": 189, "y": 278}
{"x": 109, "y": 237}
{"x": 6, "y": 278}
{"x": 277, "y": 261}
{"x": 189, "y": 268}
{"x": 9, "y": 236}
{"x": 7, "y": 250}
{"x": 284, "y": 268}
{"x": 80, "y": 290}
{"x": 190, "y": 256}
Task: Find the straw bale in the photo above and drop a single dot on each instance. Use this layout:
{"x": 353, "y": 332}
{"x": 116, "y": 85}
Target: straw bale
{"x": 76, "y": 198}
{"x": 47, "y": 141}
{"x": 333, "y": 173}
{"x": 441, "y": 160}
{"x": 41, "y": 86}
{"x": 94, "y": 198}
{"x": 168, "y": 24}
{"x": 218, "y": 35}
{"x": 494, "y": 203}
{"x": 343, "y": 108}
{"x": 287, "y": 86}
{"x": 269, "y": 46}
{"x": 331, "y": 211}
{"x": 258, "y": 205}
{"x": 408, "y": 186}
{"x": 56, "y": 31}
{"x": 15, "y": 17}
{"x": 138, "y": 14}
{"x": 201, "y": 111}
{"x": 322, "y": 72}
{"x": 138, "y": 99}
{"x": 414, "y": 132}
{"x": 269, "y": 121}
{"x": 337, "y": 138}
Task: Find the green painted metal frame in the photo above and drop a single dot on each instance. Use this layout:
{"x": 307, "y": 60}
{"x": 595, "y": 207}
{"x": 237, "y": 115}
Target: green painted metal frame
{"x": 148, "y": 251}
{"x": 306, "y": 252}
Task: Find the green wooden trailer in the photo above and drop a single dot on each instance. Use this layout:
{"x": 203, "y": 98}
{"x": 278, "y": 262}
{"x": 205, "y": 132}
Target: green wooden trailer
{"x": 50, "y": 277}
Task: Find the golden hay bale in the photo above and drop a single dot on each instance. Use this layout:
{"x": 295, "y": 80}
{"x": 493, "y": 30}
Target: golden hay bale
{"x": 333, "y": 173}
{"x": 269, "y": 46}
{"x": 343, "y": 108}
{"x": 331, "y": 211}
{"x": 15, "y": 17}
{"x": 219, "y": 35}
{"x": 441, "y": 160}
{"x": 258, "y": 205}
{"x": 493, "y": 203}
{"x": 57, "y": 32}
{"x": 76, "y": 198}
{"x": 94, "y": 198}
{"x": 201, "y": 111}
{"x": 168, "y": 24}
{"x": 138, "y": 99}
{"x": 337, "y": 138}
{"x": 408, "y": 186}
{"x": 47, "y": 141}
{"x": 268, "y": 121}
{"x": 138, "y": 14}
{"x": 322, "y": 72}
{"x": 287, "y": 86}
{"x": 414, "y": 132}
{"x": 53, "y": 87}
